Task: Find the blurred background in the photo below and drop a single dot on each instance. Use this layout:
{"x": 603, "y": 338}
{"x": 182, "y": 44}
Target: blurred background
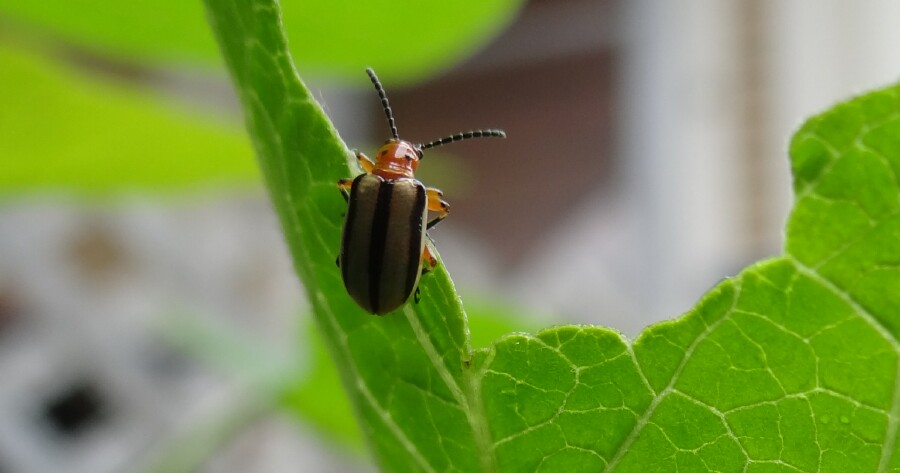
{"x": 150, "y": 320}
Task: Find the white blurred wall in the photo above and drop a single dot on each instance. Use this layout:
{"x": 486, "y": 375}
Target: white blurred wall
{"x": 712, "y": 92}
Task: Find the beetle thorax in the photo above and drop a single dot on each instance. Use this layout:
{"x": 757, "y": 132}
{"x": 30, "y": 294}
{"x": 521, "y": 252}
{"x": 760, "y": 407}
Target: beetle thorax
{"x": 397, "y": 159}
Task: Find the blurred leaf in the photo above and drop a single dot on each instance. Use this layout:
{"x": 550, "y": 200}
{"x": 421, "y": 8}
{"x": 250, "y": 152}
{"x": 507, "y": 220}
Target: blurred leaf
{"x": 61, "y": 130}
{"x": 262, "y": 368}
{"x": 300, "y": 382}
{"x": 319, "y": 399}
{"x": 402, "y": 39}
{"x": 794, "y": 365}
{"x": 489, "y": 320}
{"x": 188, "y": 451}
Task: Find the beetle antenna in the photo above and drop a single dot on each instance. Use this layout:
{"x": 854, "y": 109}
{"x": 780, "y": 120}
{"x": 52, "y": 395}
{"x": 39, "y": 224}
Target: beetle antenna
{"x": 464, "y": 136}
{"x": 384, "y": 102}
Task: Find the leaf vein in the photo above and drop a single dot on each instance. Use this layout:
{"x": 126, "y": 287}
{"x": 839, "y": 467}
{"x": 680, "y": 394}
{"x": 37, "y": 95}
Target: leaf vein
{"x": 643, "y": 420}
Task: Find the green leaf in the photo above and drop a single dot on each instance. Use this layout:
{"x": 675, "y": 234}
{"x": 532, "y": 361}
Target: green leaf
{"x": 62, "y": 130}
{"x": 400, "y": 366}
{"x": 791, "y": 366}
{"x": 305, "y": 396}
{"x": 339, "y": 37}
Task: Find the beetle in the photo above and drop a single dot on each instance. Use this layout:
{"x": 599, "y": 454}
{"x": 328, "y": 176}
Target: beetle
{"x": 384, "y": 246}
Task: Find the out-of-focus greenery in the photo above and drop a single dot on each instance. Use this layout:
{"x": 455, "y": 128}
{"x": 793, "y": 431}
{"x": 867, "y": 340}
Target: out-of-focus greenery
{"x": 66, "y": 127}
{"x": 62, "y": 129}
{"x": 403, "y": 39}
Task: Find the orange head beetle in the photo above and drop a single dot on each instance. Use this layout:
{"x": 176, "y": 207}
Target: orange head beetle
{"x": 384, "y": 248}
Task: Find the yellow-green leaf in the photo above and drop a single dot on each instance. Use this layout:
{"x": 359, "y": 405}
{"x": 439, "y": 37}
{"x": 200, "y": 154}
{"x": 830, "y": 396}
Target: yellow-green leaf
{"x": 404, "y": 39}
{"x": 60, "y": 130}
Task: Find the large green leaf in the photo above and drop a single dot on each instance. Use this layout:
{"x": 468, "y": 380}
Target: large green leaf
{"x": 412, "y": 359}
{"x": 404, "y": 39}
{"x": 790, "y": 366}
{"x": 62, "y": 130}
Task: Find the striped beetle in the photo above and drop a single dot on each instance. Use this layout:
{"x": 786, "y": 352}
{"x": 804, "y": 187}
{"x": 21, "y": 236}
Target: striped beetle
{"x": 384, "y": 247}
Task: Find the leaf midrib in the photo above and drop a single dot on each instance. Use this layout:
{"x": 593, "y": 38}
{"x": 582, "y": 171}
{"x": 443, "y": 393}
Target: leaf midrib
{"x": 468, "y": 399}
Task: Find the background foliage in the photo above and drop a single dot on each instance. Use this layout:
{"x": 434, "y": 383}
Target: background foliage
{"x": 66, "y": 124}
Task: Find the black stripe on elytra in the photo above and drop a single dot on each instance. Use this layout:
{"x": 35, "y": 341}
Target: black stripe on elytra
{"x": 349, "y": 220}
{"x": 415, "y": 240}
{"x": 379, "y": 238}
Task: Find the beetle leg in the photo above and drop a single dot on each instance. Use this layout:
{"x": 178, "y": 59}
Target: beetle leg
{"x": 344, "y": 185}
{"x": 364, "y": 161}
{"x": 416, "y": 295}
{"x": 429, "y": 262}
{"x": 436, "y": 203}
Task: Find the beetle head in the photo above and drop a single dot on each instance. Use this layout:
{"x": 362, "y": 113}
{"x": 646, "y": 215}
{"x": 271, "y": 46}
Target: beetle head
{"x": 396, "y": 159}
{"x": 399, "y": 158}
